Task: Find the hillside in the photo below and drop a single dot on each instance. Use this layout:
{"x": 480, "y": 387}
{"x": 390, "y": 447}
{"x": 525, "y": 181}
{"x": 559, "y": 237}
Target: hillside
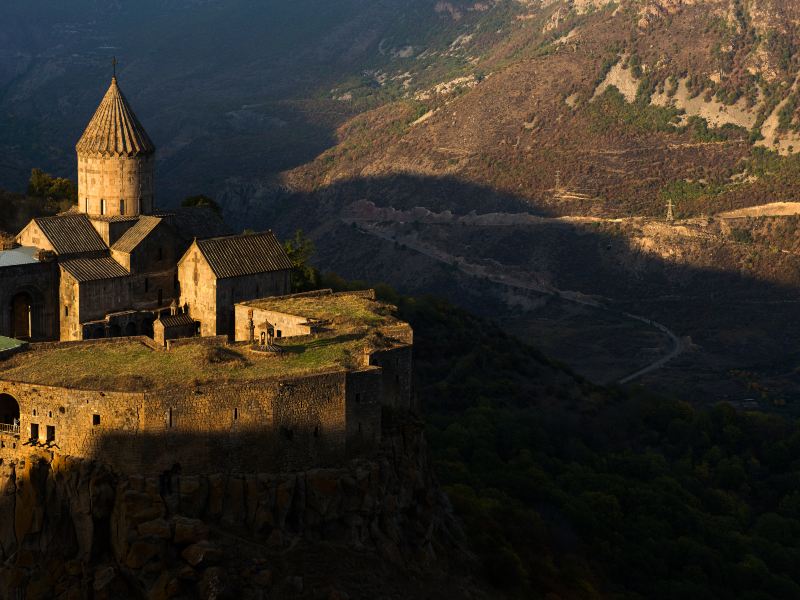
{"x": 239, "y": 90}
{"x": 595, "y": 108}
{"x": 532, "y": 187}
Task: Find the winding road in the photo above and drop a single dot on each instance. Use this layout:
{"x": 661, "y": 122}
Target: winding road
{"x": 476, "y": 270}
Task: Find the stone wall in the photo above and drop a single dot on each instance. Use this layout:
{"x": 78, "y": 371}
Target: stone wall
{"x": 278, "y": 425}
{"x": 241, "y": 289}
{"x": 111, "y": 230}
{"x": 39, "y": 283}
{"x": 101, "y": 297}
{"x": 198, "y": 288}
{"x": 363, "y": 411}
{"x": 288, "y": 325}
{"x": 116, "y": 181}
{"x": 396, "y": 366}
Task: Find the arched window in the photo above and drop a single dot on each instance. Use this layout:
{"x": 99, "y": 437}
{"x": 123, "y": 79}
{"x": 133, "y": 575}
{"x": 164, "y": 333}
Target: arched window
{"x": 121, "y": 206}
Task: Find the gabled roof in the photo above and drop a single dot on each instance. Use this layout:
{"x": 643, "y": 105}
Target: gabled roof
{"x": 246, "y": 254}
{"x": 199, "y": 222}
{"x": 94, "y": 269}
{"x": 176, "y": 320}
{"x": 114, "y": 129}
{"x": 71, "y": 234}
{"x": 136, "y": 234}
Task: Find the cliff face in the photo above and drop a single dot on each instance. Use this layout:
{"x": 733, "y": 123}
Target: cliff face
{"x": 72, "y": 529}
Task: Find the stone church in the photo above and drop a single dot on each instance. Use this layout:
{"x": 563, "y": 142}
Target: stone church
{"x": 115, "y": 265}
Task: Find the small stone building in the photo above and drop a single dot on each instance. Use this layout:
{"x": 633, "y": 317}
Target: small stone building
{"x": 217, "y": 273}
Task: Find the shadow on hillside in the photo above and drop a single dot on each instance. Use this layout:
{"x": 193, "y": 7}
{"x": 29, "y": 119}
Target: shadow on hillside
{"x": 740, "y": 321}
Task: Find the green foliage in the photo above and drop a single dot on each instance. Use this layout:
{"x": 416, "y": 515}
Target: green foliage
{"x": 202, "y": 200}
{"x": 743, "y": 236}
{"x": 43, "y": 185}
{"x": 787, "y": 112}
{"x": 611, "y": 110}
{"x": 701, "y": 132}
{"x": 582, "y": 491}
{"x": 300, "y": 249}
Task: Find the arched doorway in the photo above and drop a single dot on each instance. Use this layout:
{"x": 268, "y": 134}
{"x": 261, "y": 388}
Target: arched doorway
{"x": 21, "y": 315}
{"x": 9, "y": 414}
{"x": 115, "y": 331}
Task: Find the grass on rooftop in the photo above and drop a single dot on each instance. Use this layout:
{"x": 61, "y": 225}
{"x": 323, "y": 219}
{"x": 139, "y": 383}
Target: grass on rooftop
{"x": 8, "y": 343}
{"x": 135, "y": 367}
{"x": 343, "y": 309}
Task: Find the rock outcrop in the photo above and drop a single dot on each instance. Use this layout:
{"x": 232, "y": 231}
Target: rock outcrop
{"x": 75, "y": 529}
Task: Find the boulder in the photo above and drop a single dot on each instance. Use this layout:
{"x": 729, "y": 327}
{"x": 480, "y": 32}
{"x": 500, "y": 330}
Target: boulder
{"x": 202, "y": 554}
{"x": 189, "y": 531}
{"x": 157, "y": 528}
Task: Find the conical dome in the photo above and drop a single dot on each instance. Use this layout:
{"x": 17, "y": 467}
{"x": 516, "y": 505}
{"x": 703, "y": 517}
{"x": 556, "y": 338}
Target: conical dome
{"x": 114, "y": 130}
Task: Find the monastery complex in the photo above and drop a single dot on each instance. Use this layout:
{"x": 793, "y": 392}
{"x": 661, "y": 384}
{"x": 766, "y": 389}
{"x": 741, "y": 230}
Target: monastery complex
{"x": 155, "y": 339}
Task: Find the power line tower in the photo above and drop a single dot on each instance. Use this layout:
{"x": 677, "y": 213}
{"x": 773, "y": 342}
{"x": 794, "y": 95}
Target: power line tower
{"x": 670, "y": 211}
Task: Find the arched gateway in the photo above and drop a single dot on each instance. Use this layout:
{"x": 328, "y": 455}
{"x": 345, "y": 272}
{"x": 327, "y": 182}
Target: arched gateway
{"x": 9, "y": 414}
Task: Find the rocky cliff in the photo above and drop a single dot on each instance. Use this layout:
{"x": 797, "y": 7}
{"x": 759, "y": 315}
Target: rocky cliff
{"x": 76, "y": 529}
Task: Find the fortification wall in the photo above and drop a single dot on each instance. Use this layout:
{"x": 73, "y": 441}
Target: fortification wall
{"x": 363, "y": 411}
{"x": 267, "y": 425}
{"x": 71, "y": 422}
{"x": 396, "y": 366}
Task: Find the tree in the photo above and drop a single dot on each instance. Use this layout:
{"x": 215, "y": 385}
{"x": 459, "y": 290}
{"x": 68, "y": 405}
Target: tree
{"x": 300, "y": 249}
{"x": 202, "y": 200}
{"x": 44, "y": 185}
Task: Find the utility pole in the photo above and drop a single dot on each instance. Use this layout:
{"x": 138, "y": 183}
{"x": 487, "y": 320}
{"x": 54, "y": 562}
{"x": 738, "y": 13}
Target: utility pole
{"x": 670, "y": 211}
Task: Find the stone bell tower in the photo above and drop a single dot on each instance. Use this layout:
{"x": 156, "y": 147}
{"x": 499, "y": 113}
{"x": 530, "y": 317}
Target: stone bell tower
{"x": 116, "y": 161}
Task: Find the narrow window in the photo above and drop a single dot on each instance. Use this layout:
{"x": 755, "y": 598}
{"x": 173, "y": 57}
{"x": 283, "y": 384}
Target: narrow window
{"x": 279, "y": 333}
{"x": 51, "y": 434}
{"x": 66, "y": 311}
{"x": 102, "y": 206}
{"x": 95, "y": 420}
{"x": 34, "y": 431}
{"x": 34, "y": 412}
{"x": 146, "y": 284}
{"x": 50, "y": 414}
{"x": 235, "y": 414}
{"x": 170, "y": 417}
{"x": 121, "y": 206}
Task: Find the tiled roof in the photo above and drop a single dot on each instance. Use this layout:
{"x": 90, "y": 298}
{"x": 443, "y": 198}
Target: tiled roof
{"x": 176, "y": 320}
{"x": 114, "y": 129}
{"x": 113, "y": 218}
{"x": 71, "y": 234}
{"x": 94, "y": 269}
{"x": 246, "y": 254}
{"x": 136, "y": 234}
{"x": 198, "y": 222}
